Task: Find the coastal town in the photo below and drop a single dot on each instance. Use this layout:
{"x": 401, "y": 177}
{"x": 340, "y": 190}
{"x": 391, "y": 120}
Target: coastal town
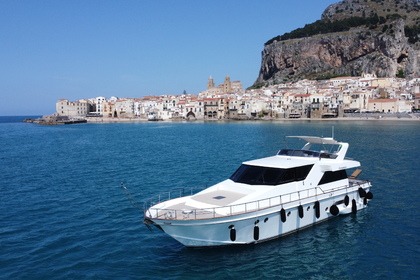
{"x": 341, "y": 97}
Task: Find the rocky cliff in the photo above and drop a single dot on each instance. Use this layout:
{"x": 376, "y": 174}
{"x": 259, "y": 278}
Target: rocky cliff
{"x": 375, "y": 36}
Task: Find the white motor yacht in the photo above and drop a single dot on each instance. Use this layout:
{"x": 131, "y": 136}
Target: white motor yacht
{"x": 265, "y": 198}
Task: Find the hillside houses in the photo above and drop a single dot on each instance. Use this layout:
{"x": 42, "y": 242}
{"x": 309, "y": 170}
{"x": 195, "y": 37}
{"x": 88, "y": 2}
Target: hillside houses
{"x": 303, "y": 99}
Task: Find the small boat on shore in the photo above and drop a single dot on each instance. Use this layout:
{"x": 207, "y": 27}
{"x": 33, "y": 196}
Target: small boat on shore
{"x": 265, "y": 198}
{"x": 153, "y": 117}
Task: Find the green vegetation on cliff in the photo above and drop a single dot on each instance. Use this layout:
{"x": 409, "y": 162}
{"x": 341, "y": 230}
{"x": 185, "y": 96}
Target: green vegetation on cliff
{"x": 325, "y": 27}
{"x": 412, "y": 32}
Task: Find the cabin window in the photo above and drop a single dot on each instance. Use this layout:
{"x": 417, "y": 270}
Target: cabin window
{"x": 260, "y": 175}
{"x": 332, "y": 176}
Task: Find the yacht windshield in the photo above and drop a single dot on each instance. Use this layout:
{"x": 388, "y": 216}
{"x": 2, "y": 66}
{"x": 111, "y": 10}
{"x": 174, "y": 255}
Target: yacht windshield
{"x": 260, "y": 175}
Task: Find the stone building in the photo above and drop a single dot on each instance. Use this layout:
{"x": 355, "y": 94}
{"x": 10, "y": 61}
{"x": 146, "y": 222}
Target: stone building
{"x": 392, "y": 105}
{"x": 124, "y": 108}
{"x": 211, "y": 108}
{"x": 227, "y": 87}
{"x": 98, "y": 103}
{"x": 356, "y": 101}
{"x": 417, "y": 102}
{"x": 68, "y": 108}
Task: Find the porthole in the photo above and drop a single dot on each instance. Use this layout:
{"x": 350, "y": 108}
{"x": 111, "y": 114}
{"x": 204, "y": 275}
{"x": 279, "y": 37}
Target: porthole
{"x": 326, "y": 208}
{"x": 265, "y": 220}
{"x": 288, "y": 214}
{"x": 309, "y": 207}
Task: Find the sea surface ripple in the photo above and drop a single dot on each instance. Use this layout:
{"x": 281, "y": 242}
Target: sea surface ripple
{"x": 64, "y": 214}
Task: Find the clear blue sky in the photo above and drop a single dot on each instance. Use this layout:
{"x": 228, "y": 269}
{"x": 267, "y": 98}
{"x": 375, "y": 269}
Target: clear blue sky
{"x": 81, "y": 49}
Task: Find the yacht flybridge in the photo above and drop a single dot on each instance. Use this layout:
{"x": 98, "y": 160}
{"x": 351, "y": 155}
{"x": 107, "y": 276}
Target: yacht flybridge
{"x": 265, "y": 198}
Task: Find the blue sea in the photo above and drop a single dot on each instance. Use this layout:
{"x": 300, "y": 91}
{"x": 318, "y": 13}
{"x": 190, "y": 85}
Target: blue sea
{"x": 64, "y": 215}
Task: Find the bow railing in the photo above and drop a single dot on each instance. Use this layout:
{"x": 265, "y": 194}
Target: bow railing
{"x": 179, "y": 211}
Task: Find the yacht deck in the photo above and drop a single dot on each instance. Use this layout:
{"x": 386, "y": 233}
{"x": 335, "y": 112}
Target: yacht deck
{"x": 212, "y": 201}
{"x": 218, "y": 197}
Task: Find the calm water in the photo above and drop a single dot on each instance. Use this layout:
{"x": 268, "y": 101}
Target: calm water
{"x": 64, "y": 215}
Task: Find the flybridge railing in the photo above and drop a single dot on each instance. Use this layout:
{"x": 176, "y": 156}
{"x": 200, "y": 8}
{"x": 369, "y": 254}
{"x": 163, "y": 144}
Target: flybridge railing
{"x": 306, "y": 153}
{"x": 188, "y": 213}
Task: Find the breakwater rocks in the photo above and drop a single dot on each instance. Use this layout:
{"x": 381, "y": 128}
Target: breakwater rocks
{"x": 55, "y": 120}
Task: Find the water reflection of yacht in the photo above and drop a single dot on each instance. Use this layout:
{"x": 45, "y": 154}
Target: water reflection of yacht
{"x": 265, "y": 198}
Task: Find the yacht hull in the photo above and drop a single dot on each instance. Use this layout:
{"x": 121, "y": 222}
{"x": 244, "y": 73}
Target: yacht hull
{"x": 264, "y": 224}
